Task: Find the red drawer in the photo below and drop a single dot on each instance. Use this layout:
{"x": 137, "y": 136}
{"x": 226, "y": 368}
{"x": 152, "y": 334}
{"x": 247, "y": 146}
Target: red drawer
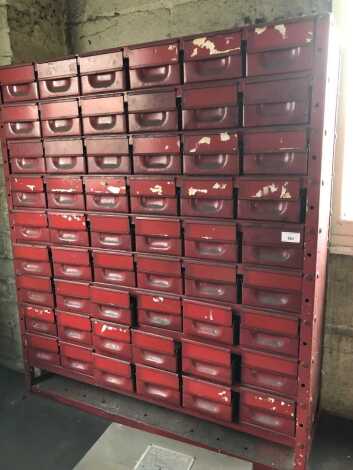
{"x": 152, "y": 111}
{"x": 27, "y": 191}
{"x": 269, "y": 199}
{"x": 208, "y": 321}
{"x": 72, "y": 296}
{"x": 33, "y": 260}
{"x": 207, "y": 399}
{"x": 275, "y": 153}
{"x": 39, "y": 319}
{"x": 68, "y": 228}
{"x": 106, "y": 193}
{"x": 207, "y": 197}
{"x": 58, "y": 78}
{"x": 267, "y": 411}
{"x": 153, "y": 195}
{"x": 65, "y": 193}
{"x": 159, "y": 311}
{"x": 280, "y": 48}
{"x": 40, "y": 327}
{"x": 74, "y": 328}
{"x": 259, "y": 290}
{"x": 212, "y": 57}
{"x": 160, "y": 274}
{"x": 161, "y": 236}
{"x": 212, "y": 281}
{"x": 64, "y": 156}
{"x": 26, "y": 156}
{"x": 60, "y": 118}
{"x": 77, "y": 358}
{"x": 216, "y": 241}
{"x": 156, "y": 65}
{"x": 21, "y": 121}
{"x": 41, "y": 350}
{"x": 35, "y": 290}
{"x": 103, "y": 114}
{"x": 110, "y": 305}
{"x": 156, "y": 155}
{"x": 114, "y": 268}
{"x": 158, "y": 385}
{"x": 108, "y": 154}
{"x": 110, "y": 231}
{"x": 112, "y": 339}
{"x": 41, "y": 342}
{"x": 112, "y": 373}
{"x": 277, "y": 102}
{"x": 212, "y": 154}
{"x": 207, "y": 362}
{"x": 71, "y": 263}
{"x": 267, "y": 341}
{"x": 210, "y": 107}
{"x": 30, "y": 226}
{"x": 18, "y": 83}
{"x": 154, "y": 350}
{"x": 102, "y": 72}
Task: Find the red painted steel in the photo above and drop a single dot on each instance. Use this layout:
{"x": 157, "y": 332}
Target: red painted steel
{"x": 153, "y": 195}
{"x": 58, "y": 78}
{"x": 113, "y": 374}
{"x": 154, "y": 350}
{"x": 68, "y": 228}
{"x": 106, "y": 194}
{"x": 107, "y": 154}
{"x": 114, "y": 268}
{"x": 158, "y": 384}
{"x": 110, "y": 305}
{"x": 64, "y": 156}
{"x": 74, "y": 328}
{"x": 65, "y": 193}
{"x": 112, "y": 339}
{"x": 103, "y": 114}
{"x": 156, "y": 155}
{"x": 160, "y": 236}
{"x": 161, "y": 274}
{"x": 72, "y": 296}
{"x": 111, "y": 232}
{"x": 18, "y": 83}
{"x": 159, "y": 311}
{"x": 26, "y": 156}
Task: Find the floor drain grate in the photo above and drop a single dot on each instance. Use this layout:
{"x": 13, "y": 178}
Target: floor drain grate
{"x": 161, "y": 458}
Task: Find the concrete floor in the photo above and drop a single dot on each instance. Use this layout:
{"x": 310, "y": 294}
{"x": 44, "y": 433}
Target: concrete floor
{"x": 36, "y": 433}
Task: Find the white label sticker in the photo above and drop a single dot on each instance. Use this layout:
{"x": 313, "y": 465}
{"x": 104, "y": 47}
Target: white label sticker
{"x": 290, "y": 237}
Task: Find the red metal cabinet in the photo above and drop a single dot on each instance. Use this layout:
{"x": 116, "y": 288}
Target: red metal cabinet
{"x": 68, "y": 228}
{"x": 60, "y": 118}
{"x": 103, "y": 114}
{"x": 153, "y": 195}
{"x": 58, "y": 78}
{"x": 113, "y": 374}
{"x": 110, "y": 232}
{"x": 114, "y": 268}
{"x": 106, "y": 193}
{"x": 210, "y": 107}
{"x": 152, "y": 111}
{"x": 154, "y": 350}
{"x": 159, "y": 274}
{"x": 112, "y": 339}
{"x": 107, "y": 155}
{"x": 159, "y": 311}
{"x": 21, "y": 121}
{"x": 102, "y": 72}
{"x": 33, "y": 260}
{"x": 154, "y": 65}
{"x": 26, "y": 156}
{"x": 156, "y": 154}
{"x": 64, "y": 156}
{"x": 211, "y": 154}
{"x": 110, "y": 305}
{"x": 158, "y": 235}
{"x": 159, "y": 385}
{"x": 65, "y": 193}
{"x": 18, "y": 83}
{"x": 212, "y": 57}
{"x": 72, "y": 296}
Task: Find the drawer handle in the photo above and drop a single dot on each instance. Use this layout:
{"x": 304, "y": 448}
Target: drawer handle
{"x": 112, "y": 345}
{"x": 40, "y": 326}
{"x": 272, "y": 298}
{"x": 74, "y": 334}
{"x": 70, "y": 237}
{"x": 58, "y": 86}
{"x": 18, "y": 90}
{"x": 210, "y": 162}
{"x": 207, "y": 205}
{"x": 263, "y": 254}
{"x": 71, "y": 271}
{"x": 207, "y": 406}
{"x": 159, "y": 392}
{"x": 153, "y": 358}
{"x": 151, "y": 119}
{"x": 26, "y": 163}
{"x": 109, "y": 312}
{"x": 286, "y": 159}
{"x": 60, "y": 125}
{"x": 114, "y": 275}
{"x": 276, "y": 109}
{"x": 207, "y": 330}
{"x": 206, "y": 369}
{"x": 106, "y": 201}
{"x": 21, "y": 127}
{"x": 78, "y": 365}
{"x": 114, "y": 380}
{"x": 108, "y": 162}
{"x": 155, "y": 162}
{"x": 209, "y": 289}
{"x": 73, "y": 303}
{"x": 269, "y": 207}
{"x": 36, "y": 296}
{"x": 31, "y": 233}
{"x": 268, "y": 381}
{"x": 101, "y": 80}
{"x": 101, "y": 123}
{"x": 154, "y": 281}
{"x": 267, "y": 58}
{"x": 110, "y": 239}
{"x": 153, "y": 74}
{"x": 63, "y": 199}
{"x": 160, "y": 244}
{"x": 64, "y": 163}
{"x": 264, "y": 340}
{"x": 32, "y": 267}
{"x": 153, "y": 203}
{"x": 212, "y": 66}
{"x": 211, "y": 114}
{"x": 158, "y": 319}
{"x": 266, "y": 420}
{"x": 204, "y": 248}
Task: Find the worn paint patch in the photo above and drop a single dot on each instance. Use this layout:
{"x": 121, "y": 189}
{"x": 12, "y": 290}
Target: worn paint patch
{"x": 157, "y": 189}
{"x": 193, "y": 191}
{"x": 266, "y": 190}
{"x": 204, "y": 43}
{"x": 281, "y": 28}
{"x": 62, "y": 190}
{"x": 31, "y": 187}
{"x": 114, "y": 189}
{"x": 225, "y": 136}
{"x": 260, "y": 30}
{"x": 285, "y": 194}
{"x": 219, "y": 186}
{"x": 158, "y": 299}
{"x": 309, "y": 37}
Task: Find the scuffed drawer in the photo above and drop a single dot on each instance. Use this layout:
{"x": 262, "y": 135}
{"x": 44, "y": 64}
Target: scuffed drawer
{"x": 68, "y": 228}
{"x": 156, "y": 155}
{"x": 275, "y": 153}
{"x": 64, "y": 156}
{"x": 72, "y": 296}
{"x": 60, "y": 118}
{"x": 110, "y": 232}
{"x": 114, "y": 268}
{"x": 21, "y": 121}
{"x": 39, "y": 320}
{"x": 103, "y": 114}
{"x": 35, "y": 290}
{"x": 207, "y": 399}
{"x": 113, "y": 373}
{"x": 71, "y": 263}
{"x": 30, "y": 226}
{"x": 212, "y": 57}
{"x": 74, "y": 328}
{"x": 65, "y": 193}
{"x": 28, "y": 191}
{"x": 159, "y": 273}
{"x": 158, "y": 385}
{"x": 26, "y": 156}
{"x": 112, "y": 339}
{"x": 108, "y": 155}
{"x": 208, "y": 322}
{"x": 106, "y": 193}
{"x": 41, "y": 350}
{"x": 58, "y": 78}
{"x": 154, "y": 350}
{"x": 18, "y": 83}
{"x": 207, "y": 362}
{"x": 32, "y": 260}
{"x": 77, "y": 358}
{"x": 161, "y": 236}
{"x": 110, "y": 305}
{"x": 155, "y": 65}
{"x": 159, "y": 311}
{"x": 153, "y": 195}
